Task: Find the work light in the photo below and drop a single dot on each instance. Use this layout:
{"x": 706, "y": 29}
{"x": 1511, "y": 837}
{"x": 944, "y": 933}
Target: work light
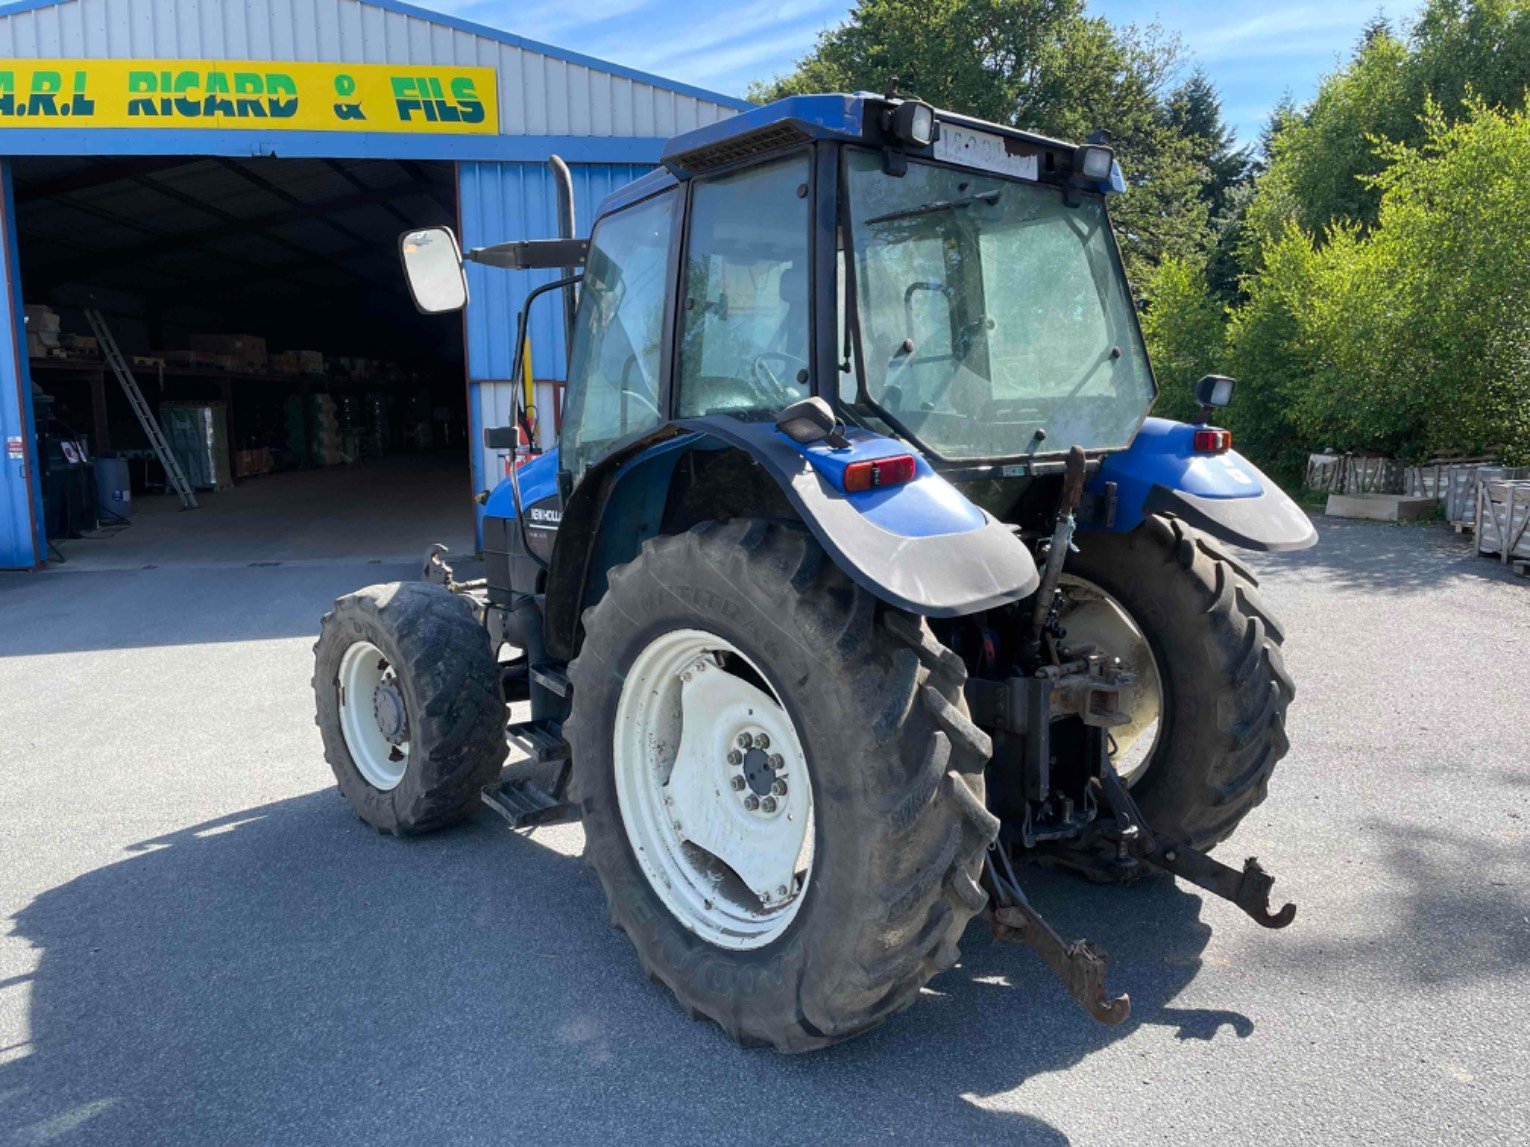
{"x": 913, "y": 123}
{"x": 1093, "y": 161}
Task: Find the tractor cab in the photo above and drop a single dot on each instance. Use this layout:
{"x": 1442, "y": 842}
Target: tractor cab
{"x": 951, "y": 283}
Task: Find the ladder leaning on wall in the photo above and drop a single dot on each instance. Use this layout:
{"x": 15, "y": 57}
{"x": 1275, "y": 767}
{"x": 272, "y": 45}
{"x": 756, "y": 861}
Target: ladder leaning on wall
{"x": 173, "y": 472}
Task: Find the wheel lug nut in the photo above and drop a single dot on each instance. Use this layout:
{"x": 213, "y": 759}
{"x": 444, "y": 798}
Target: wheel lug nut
{"x": 762, "y": 741}
{"x": 751, "y": 802}
{"x": 768, "y": 804}
{"x": 743, "y": 740}
{"x": 781, "y": 891}
{"x": 738, "y": 784}
{"x": 778, "y": 789}
{"x": 735, "y": 757}
{"x": 777, "y": 761}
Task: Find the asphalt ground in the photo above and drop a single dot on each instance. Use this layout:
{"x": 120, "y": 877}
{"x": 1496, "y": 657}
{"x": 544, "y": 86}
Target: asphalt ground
{"x": 201, "y": 944}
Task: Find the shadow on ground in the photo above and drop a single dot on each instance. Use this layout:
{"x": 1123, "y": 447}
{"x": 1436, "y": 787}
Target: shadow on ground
{"x": 1401, "y": 557}
{"x": 284, "y": 974}
{"x": 69, "y": 613}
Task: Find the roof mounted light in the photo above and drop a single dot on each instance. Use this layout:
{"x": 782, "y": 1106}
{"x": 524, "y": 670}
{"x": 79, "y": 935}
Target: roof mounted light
{"x": 912, "y": 123}
{"x": 1092, "y": 162}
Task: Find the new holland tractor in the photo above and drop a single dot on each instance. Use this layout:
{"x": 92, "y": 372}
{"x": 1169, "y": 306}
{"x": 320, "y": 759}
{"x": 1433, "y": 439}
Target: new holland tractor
{"x": 858, "y": 581}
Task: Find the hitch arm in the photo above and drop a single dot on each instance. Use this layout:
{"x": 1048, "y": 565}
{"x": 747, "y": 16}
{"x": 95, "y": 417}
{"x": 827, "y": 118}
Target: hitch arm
{"x": 1249, "y": 889}
{"x": 1081, "y": 965}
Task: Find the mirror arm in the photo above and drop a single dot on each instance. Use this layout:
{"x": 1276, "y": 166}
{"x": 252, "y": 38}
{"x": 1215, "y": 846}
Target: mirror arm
{"x": 532, "y": 255}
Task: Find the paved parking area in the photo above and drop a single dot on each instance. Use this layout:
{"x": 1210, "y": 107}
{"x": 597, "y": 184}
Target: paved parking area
{"x": 200, "y": 944}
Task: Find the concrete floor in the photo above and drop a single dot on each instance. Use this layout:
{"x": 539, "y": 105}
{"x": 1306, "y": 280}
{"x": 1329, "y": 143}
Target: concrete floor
{"x": 202, "y": 945}
{"x": 392, "y": 508}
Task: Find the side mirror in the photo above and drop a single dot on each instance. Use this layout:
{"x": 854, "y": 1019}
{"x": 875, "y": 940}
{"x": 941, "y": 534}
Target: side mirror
{"x": 1215, "y": 390}
{"x": 433, "y": 266}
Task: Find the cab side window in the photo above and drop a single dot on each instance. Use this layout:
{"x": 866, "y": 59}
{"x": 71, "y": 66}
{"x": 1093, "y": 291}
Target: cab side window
{"x": 614, "y": 363}
{"x": 745, "y": 304}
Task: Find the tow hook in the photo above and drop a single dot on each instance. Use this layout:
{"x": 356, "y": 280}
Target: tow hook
{"x": 1081, "y": 965}
{"x": 1249, "y": 889}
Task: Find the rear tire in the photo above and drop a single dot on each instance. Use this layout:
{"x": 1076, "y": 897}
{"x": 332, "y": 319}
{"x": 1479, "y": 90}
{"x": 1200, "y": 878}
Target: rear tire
{"x": 1225, "y": 686}
{"x": 440, "y": 667}
{"x": 896, "y": 769}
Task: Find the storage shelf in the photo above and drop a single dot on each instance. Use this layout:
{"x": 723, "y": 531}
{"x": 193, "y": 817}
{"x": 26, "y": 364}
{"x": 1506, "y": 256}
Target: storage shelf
{"x": 96, "y": 364}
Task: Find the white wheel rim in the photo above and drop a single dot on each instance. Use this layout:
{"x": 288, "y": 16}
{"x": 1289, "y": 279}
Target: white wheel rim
{"x": 1093, "y": 617}
{"x": 372, "y": 716}
{"x": 731, "y": 869}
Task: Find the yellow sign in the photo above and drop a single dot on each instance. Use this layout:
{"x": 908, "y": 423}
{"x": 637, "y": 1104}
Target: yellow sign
{"x": 254, "y": 95}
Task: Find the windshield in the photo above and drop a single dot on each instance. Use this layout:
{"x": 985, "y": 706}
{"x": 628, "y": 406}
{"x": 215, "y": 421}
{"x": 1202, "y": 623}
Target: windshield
{"x": 994, "y": 319}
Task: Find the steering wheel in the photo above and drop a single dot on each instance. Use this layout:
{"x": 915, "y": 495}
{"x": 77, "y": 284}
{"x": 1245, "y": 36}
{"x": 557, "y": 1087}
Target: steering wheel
{"x": 772, "y": 389}
{"x": 623, "y": 390}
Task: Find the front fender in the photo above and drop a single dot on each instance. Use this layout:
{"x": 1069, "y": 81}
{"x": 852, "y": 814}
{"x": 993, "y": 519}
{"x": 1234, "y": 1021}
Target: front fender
{"x": 1225, "y": 495}
{"x": 920, "y": 546}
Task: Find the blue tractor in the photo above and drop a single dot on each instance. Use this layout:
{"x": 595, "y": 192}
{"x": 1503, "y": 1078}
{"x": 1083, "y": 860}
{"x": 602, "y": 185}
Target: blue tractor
{"x": 858, "y": 579}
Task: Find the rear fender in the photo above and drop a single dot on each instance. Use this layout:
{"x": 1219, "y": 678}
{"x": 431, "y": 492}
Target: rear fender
{"x": 1225, "y": 495}
{"x": 920, "y": 546}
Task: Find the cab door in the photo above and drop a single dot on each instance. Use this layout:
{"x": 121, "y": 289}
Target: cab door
{"x": 616, "y": 361}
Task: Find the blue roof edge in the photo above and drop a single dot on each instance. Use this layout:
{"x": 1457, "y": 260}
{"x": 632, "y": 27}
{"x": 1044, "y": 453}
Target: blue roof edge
{"x": 650, "y": 183}
{"x": 16, "y": 7}
{"x": 836, "y": 116}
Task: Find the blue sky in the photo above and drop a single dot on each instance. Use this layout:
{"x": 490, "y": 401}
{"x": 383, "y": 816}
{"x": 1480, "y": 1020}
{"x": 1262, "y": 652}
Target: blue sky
{"x": 1253, "y": 51}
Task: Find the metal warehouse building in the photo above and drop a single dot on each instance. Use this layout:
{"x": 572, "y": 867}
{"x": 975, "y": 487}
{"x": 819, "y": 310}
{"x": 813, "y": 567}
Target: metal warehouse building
{"x": 221, "y": 185}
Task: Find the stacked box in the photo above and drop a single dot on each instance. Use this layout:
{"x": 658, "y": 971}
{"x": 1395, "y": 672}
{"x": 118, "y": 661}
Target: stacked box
{"x": 375, "y": 437}
{"x": 198, "y": 437}
{"x": 284, "y": 362}
{"x": 249, "y": 463}
{"x": 327, "y": 447}
{"x": 1466, "y": 482}
{"x": 42, "y": 330}
{"x": 196, "y": 359}
{"x": 1503, "y": 518}
{"x": 244, "y": 352}
{"x": 310, "y": 361}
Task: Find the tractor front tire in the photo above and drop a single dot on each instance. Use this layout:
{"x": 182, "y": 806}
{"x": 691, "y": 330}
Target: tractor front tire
{"x": 434, "y": 686}
{"x": 895, "y": 766}
{"x": 1222, "y": 724}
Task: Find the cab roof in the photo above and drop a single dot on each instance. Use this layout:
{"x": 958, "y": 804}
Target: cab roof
{"x": 849, "y": 118}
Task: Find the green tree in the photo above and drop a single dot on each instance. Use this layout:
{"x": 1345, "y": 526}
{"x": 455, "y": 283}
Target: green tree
{"x": 1194, "y": 110}
{"x": 1411, "y": 337}
{"x": 1274, "y": 364}
{"x": 1044, "y": 65}
{"x": 1185, "y": 329}
{"x": 1322, "y": 161}
{"x": 1320, "y": 157}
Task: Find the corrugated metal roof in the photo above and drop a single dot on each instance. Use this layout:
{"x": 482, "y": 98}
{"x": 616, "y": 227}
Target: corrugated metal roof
{"x": 543, "y": 90}
{"x": 131, "y": 223}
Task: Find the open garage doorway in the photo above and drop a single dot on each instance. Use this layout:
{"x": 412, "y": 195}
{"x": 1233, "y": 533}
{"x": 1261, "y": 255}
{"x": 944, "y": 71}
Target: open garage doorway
{"x": 261, "y": 308}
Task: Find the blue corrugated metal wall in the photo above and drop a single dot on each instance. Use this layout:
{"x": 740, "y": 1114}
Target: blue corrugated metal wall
{"x": 502, "y": 202}
{"x": 21, "y": 537}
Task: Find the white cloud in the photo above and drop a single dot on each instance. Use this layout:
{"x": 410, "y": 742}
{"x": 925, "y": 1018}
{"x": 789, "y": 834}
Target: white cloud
{"x": 1298, "y": 29}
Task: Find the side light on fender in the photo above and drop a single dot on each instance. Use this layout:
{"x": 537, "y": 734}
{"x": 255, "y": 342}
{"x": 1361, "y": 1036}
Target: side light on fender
{"x": 873, "y": 475}
{"x": 1209, "y": 441}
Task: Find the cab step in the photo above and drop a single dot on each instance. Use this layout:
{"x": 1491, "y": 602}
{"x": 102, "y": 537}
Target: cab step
{"x": 542, "y": 741}
{"x": 553, "y": 680}
{"x": 524, "y": 804}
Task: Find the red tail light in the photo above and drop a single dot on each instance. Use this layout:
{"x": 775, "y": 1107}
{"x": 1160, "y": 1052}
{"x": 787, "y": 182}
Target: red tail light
{"x": 1213, "y": 441}
{"x": 873, "y": 475}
